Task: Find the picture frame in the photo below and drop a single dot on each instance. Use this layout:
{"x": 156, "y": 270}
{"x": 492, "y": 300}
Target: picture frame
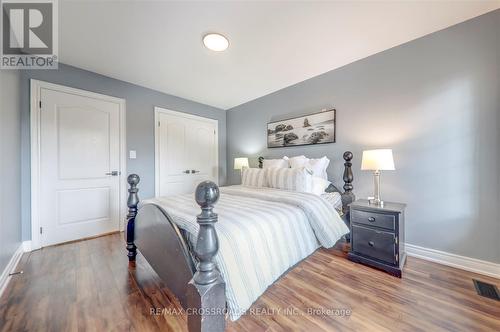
{"x": 311, "y": 129}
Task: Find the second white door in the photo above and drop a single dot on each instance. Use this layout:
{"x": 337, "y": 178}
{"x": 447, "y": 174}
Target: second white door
{"x": 186, "y": 152}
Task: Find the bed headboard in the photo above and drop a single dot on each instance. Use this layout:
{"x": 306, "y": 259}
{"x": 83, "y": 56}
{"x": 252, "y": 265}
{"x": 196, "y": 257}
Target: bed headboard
{"x": 347, "y": 196}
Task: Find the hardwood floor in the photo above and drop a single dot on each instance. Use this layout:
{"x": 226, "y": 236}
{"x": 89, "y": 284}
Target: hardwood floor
{"x": 87, "y": 286}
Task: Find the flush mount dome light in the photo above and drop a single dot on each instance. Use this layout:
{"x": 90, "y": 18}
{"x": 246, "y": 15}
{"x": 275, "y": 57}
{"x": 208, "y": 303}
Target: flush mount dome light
{"x": 215, "y": 42}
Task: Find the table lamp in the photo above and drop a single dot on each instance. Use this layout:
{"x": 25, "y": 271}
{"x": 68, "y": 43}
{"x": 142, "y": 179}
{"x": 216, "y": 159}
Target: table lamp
{"x": 240, "y": 163}
{"x": 376, "y": 161}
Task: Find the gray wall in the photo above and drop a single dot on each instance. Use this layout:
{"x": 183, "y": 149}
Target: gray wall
{"x": 140, "y": 103}
{"x": 10, "y": 165}
{"x": 435, "y": 102}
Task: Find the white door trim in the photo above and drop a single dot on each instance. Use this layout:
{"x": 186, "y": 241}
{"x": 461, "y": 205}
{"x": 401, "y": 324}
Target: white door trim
{"x": 159, "y": 110}
{"x": 36, "y": 87}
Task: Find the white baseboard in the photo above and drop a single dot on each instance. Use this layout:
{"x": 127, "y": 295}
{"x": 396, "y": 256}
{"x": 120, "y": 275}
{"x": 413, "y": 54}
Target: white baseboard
{"x": 27, "y": 246}
{"x": 14, "y": 260}
{"x": 457, "y": 261}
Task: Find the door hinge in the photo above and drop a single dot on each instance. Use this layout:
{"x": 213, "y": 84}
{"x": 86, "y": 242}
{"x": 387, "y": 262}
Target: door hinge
{"x": 214, "y": 132}
{"x": 41, "y": 230}
{"x": 395, "y": 239}
{"x": 40, "y": 103}
{"x": 158, "y": 123}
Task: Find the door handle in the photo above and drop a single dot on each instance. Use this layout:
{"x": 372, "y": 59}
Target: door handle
{"x": 186, "y": 171}
{"x": 114, "y": 173}
{"x": 371, "y": 219}
{"x": 194, "y": 171}
{"x": 371, "y": 243}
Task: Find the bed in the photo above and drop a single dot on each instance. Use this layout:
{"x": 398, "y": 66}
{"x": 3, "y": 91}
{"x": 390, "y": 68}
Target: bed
{"x": 219, "y": 264}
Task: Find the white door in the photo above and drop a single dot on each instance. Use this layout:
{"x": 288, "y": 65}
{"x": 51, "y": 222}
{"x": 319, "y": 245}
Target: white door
{"x": 79, "y": 151}
{"x": 186, "y": 152}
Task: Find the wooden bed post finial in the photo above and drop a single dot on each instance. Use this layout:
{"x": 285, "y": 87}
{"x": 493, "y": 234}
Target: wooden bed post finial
{"x": 348, "y": 196}
{"x": 132, "y": 202}
{"x": 206, "y": 291}
{"x": 348, "y": 176}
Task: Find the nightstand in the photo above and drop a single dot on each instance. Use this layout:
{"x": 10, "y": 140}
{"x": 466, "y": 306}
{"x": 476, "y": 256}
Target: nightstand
{"x": 377, "y": 235}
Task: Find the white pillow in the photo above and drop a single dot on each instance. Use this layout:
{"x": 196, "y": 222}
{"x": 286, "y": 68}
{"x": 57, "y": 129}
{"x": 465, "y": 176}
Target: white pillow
{"x": 293, "y": 179}
{"x": 317, "y": 166}
{"x": 319, "y": 185}
{"x": 275, "y": 163}
{"x": 253, "y": 177}
{"x": 298, "y": 162}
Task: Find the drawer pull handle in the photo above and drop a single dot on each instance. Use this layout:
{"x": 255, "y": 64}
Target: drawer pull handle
{"x": 371, "y": 219}
{"x": 371, "y": 243}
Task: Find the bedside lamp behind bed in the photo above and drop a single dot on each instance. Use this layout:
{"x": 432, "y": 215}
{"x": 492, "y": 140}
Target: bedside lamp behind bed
{"x": 240, "y": 163}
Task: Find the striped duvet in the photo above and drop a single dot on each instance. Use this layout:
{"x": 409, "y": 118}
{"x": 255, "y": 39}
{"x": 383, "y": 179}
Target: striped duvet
{"x": 262, "y": 233}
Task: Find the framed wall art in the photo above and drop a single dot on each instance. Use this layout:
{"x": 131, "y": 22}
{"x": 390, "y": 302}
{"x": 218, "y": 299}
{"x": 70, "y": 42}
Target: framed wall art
{"x": 317, "y": 128}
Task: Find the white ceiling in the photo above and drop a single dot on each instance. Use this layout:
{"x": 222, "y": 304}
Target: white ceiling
{"x": 272, "y": 44}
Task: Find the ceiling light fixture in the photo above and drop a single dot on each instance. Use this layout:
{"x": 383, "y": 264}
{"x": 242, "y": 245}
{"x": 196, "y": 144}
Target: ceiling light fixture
{"x": 215, "y": 42}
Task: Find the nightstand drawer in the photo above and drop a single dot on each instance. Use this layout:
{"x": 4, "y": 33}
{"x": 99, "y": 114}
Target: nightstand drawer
{"x": 373, "y": 243}
{"x": 381, "y": 220}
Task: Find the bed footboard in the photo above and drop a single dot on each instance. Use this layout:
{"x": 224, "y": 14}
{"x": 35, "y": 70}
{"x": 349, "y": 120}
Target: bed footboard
{"x": 200, "y": 289}
{"x": 161, "y": 243}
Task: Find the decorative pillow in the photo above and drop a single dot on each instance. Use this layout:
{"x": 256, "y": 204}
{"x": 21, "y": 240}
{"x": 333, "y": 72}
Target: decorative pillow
{"x": 317, "y": 166}
{"x": 275, "y": 163}
{"x": 335, "y": 199}
{"x": 253, "y": 177}
{"x": 293, "y": 179}
{"x": 319, "y": 185}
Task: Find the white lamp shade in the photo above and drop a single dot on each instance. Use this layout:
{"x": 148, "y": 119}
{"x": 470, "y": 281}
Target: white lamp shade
{"x": 240, "y": 163}
{"x": 377, "y": 160}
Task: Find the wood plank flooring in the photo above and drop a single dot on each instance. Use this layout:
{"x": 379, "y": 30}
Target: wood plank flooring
{"x": 87, "y": 286}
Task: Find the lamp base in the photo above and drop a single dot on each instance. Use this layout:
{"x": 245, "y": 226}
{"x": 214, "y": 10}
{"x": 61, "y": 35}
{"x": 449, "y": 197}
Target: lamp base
{"x": 376, "y": 202}
{"x": 376, "y": 190}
